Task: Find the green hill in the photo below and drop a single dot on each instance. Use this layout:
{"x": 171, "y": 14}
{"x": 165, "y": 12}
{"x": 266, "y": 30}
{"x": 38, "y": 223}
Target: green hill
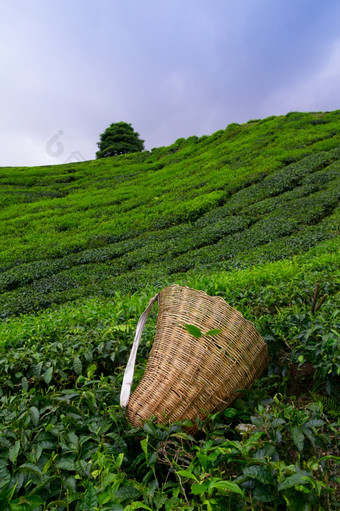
{"x": 254, "y": 193}
{"x": 250, "y": 213}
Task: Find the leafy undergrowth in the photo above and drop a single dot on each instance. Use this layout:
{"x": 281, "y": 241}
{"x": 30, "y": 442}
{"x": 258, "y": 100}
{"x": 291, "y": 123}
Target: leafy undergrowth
{"x": 81, "y": 262}
{"x": 66, "y": 444}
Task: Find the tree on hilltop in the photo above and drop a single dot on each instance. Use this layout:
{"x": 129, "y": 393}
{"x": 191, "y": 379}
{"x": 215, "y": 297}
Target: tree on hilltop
{"x": 119, "y": 138}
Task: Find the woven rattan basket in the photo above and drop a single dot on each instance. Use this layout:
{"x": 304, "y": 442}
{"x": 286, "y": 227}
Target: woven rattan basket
{"x": 186, "y": 376}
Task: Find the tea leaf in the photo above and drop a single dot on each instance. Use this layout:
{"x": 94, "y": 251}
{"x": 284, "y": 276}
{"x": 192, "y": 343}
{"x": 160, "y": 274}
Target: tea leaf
{"x": 187, "y": 474}
{"x": 65, "y": 465}
{"x": 14, "y": 451}
{"x": 214, "y": 331}
{"x": 259, "y": 473}
{"x": 199, "y": 489}
{"x": 193, "y": 330}
{"x": 77, "y": 365}
{"x": 30, "y": 467}
{"x": 34, "y": 415}
{"x": 226, "y": 486}
{"x": 135, "y": 505}
{"x": 264, "y": 493}
{"x": 24, "y": 383}
{"x": 293, "y": 480}
{"x": 127, "y": 492}
{"x": 81, "y": 467}
{"x": 90, "y": 500}
{"x": 28, "y": 503}
{"x": 297, "y": 437}
{"x": 48, "y": 375}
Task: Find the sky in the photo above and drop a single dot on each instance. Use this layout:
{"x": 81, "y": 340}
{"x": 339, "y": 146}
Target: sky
{"x": 171, "y": 68}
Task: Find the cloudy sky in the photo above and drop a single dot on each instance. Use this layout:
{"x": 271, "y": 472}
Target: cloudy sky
{"x": 171, "y": 68}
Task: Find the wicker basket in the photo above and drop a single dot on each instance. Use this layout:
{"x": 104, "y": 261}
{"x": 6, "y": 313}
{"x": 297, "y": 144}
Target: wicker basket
{"x": 186, "y": 376}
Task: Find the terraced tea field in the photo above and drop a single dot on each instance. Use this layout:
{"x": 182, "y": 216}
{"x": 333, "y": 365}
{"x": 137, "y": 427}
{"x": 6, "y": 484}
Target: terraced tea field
{"x": 250, "y": 213}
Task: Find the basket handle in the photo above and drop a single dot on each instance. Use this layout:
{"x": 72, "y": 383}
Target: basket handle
{"x": 130, "y": 368}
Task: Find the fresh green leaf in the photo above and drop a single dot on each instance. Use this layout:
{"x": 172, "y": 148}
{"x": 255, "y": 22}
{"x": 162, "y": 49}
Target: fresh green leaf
{"x": 152, "y": 459}
{"x": 43, "y": 484}
{"x": 264, "y": 493}
{"x": 28, "y": 502}
{"x": 81, "y": 467}
{"x": 294, "y": 480}
{"x": 90, "y": 499}
{"x": 199, "y": 489}
{"x": 5, "y": 476}
{"x": 65, "y": 465}
{"x": 226, "y": 486}
{"x": 136, "y": 505}
{"x": 6, "y": 496}
{"x": 24, "y": 383}
{"x": 148, "y": 428}
{"x": 214, "y": 331}
{"x": 48, "y": 375}
{"x": 297, "y": 437}
{"x": 118, "y": 442}
{"x": 127, "y": 492}
{"x": 14, "y": 451}
{"x": 187, "y": 474}
{"x": 193, "y": 330}
{"x": 144, "y": 445}
{"x": 259, "y": 473}
{"x": 34, "y": 415}
{"x": 77, "y": 365}
{"x": 314, "y": 423}
{"x": 30, "y": 467}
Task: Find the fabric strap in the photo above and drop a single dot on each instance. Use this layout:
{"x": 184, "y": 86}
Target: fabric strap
{"x": 130, "y": 368}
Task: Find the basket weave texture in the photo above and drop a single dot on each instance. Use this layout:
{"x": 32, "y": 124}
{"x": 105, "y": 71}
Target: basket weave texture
{"x": 188, "y": 377}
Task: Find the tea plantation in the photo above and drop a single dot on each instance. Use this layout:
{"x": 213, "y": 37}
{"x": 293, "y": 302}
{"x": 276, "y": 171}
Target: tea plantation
{"x": 250, "y": 213}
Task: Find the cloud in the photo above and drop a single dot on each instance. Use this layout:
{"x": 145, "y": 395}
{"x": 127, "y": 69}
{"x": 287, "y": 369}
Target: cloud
{"x": 172, "y": 69}
{"x": 316, "y": 90}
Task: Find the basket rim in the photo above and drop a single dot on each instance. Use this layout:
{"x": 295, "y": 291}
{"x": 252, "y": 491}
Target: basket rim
{"x": 213, "y": 297}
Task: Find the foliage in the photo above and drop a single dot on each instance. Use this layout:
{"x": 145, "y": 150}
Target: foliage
{"x": 119, "y": 138}
{"x": 250, "y": 214}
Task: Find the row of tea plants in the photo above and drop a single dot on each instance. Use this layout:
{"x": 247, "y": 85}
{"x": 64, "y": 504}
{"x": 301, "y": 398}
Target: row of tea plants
{"x": 65, "y": 443}
{"x": 251, "y": 214}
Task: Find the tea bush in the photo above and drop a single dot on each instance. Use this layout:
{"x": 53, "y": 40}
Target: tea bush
{"x": 251, "y": 214}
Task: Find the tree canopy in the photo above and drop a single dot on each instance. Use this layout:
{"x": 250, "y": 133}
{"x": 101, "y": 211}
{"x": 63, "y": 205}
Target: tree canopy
{"x": 119, "y": 138}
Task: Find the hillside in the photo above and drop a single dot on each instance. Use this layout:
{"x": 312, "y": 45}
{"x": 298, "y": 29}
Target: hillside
{"x": 250, "y": 213}
{"x": 254, "y": 193}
